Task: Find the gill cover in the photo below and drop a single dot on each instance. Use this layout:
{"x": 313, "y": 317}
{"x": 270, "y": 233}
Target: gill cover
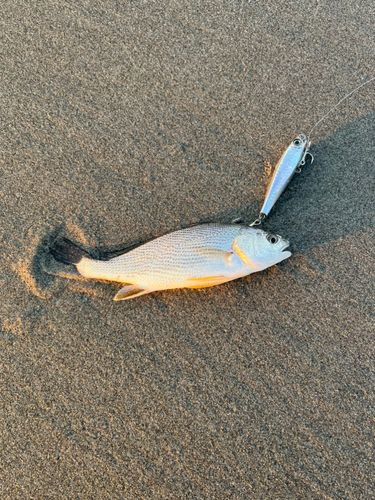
{"x": 244, "y": 246}
{"x": 259, "y": 250}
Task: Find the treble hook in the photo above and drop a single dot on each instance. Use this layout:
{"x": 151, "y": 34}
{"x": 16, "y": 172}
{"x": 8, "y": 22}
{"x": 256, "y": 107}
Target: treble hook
{"x": 303, "y": 161}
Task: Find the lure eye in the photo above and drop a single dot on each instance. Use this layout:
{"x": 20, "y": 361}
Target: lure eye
{"x": 297, "y": 142}
{"x": 273, "y": 239}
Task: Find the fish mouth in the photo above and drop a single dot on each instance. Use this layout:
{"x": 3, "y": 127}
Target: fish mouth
{"x": 285, "y": 254}
{"x": 285, "y": 246}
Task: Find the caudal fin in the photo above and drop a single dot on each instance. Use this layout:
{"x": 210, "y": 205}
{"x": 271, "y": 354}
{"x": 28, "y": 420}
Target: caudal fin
{"x": 65, "y": 251}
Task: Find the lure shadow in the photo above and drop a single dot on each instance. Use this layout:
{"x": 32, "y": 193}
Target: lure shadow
{"x": 334, "y": 196}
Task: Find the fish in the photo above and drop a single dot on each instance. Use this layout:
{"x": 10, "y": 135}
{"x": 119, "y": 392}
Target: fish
{"x": 195, "y": 257}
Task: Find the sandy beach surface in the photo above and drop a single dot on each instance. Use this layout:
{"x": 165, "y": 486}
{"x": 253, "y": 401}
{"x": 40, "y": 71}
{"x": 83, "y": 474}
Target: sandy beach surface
{"x": 121, "y": 121}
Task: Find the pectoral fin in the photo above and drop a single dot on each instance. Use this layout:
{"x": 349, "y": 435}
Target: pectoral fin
{"x": 130, "y": 292}
{"x": 214, "y": 254}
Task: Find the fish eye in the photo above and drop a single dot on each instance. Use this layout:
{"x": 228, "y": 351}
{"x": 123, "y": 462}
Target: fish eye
{"x": 272, "y": 238}
{"x": 297, "y": 141}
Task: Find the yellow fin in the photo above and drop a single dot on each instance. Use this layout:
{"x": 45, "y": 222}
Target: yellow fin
{"x": 130, "y": 292}
{"x": 205, "y": 281}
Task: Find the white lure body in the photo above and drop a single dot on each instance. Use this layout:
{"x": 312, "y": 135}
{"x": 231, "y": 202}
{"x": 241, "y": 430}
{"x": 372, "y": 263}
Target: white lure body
{"x": 293, "y": 157}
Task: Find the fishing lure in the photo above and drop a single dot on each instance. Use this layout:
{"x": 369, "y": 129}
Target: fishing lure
{"x": 291, "y": 161}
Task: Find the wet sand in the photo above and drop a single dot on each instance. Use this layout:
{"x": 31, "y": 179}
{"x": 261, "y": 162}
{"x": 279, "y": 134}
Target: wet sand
{"x": 122, "y": 122}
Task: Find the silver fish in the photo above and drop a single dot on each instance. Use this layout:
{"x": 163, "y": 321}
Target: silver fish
{"x": 293, "y": 158}
{"x": 195, "y": 257}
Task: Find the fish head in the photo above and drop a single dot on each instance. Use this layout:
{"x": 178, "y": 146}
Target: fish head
{"x": 259, "y": 249}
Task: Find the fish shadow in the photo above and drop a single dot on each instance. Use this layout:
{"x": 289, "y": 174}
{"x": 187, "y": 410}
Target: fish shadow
{"x": 44, "y": 279}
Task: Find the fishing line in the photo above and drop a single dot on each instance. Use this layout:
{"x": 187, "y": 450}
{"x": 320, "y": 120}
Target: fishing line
{"x": 340, "y": 101}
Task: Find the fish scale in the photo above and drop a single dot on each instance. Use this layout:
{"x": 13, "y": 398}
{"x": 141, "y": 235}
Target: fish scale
{"x": 171, "y": 258}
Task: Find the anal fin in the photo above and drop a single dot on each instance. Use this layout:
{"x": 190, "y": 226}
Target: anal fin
{"x": 130, "y": 292}
{"x": 205, "y": 281}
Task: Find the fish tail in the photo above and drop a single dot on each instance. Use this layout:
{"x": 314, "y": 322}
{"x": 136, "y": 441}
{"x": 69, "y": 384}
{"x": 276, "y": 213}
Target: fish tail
{"x": 63, "y": 250}
{"x": 81, "y": 263}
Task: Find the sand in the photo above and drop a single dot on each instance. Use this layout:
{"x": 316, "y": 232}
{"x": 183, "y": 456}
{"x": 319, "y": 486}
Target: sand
{"x": 121, "y": 121}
